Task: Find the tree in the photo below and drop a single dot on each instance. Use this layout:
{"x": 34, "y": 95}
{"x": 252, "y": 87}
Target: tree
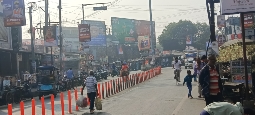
{"x": 175, "y": 34}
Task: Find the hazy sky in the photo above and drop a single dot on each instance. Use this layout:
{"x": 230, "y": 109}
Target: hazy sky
{"x": 164, "y": 11}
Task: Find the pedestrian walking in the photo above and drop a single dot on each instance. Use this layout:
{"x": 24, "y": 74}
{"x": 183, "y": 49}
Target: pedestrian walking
{"x": 203, "y": 63}
{"x": 91, "y": 85}
{"x": 197, "y": 68}
{"x": 188, "y": 80}
{"x": 210, "y": 81}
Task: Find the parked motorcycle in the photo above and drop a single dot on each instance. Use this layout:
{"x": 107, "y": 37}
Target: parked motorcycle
{"x": 98, "y": 75}
{"x": 104, "y": 73}
{"x": 7, "y": 95}
{"x": 23, "y": 92}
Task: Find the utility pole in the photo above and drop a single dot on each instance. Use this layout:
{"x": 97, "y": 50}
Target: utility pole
{"x": 60, "y": 36}
{"x": 151, "y": 28}
{"x": 33, "y": 64}
{"x": 212, "y": 21}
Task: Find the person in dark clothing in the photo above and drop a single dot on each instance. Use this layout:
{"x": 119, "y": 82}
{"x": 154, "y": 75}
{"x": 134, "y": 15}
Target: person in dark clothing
{"x": 188, "y": 80}
{"x": 210, "y": 81}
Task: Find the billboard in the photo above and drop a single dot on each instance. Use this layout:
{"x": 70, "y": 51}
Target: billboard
{"x": 50, "y": 38}
{"x": 84, "y": 33}
{"x": 221, "y": 39}
{"x": 237, "y": 6}
{"x": 39, "y": 45}
{"x": 14, "y": 13}
{"x": 221, "y": 21}
{"x": 248, "y": 20}
{"x": 71, "y": 45}
{"x": 124, "y": 29}
{"x": 143, "y": 43}
{"x": 97, "y": 31}
{"x": 188, "y": 40}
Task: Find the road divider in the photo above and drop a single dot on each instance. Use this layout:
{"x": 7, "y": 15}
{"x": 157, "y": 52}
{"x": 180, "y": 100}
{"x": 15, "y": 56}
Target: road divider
{"x": 105, "y": 90}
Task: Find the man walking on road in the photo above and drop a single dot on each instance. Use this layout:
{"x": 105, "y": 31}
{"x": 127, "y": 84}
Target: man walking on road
{"x": 210, "y": 81}
{"x": 177, "y": 67}
{"x": 91, "y": 85}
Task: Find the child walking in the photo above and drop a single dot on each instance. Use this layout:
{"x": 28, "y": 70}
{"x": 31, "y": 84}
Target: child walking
{"x": 188, "y": 80}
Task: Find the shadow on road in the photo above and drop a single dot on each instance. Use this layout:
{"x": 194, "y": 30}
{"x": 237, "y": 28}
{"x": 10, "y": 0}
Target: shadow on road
{"x": 97, "y": 113}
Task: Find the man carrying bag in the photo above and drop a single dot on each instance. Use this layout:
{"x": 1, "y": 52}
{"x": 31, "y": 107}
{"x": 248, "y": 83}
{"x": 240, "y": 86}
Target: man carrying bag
{"x": 91, "y": 85}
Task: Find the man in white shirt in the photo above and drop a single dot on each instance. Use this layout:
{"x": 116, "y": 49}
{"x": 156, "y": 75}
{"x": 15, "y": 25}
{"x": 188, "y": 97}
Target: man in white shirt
{"x": 177, "y": 67}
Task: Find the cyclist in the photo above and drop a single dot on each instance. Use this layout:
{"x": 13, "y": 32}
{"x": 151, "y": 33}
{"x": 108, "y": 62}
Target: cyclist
{"x": 177, "y": 67}
{"x": 70, "y": 76}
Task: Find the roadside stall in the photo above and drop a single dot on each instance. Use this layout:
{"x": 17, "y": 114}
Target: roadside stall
{"x": 232, "y": 68}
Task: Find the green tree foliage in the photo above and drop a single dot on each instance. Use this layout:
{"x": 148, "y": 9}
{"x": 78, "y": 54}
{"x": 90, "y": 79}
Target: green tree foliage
{"x": 174, "y": 35}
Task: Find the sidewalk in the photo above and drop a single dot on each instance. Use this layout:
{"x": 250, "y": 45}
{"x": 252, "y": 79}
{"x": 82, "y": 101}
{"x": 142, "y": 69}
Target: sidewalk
{"x": 190, "y": 106}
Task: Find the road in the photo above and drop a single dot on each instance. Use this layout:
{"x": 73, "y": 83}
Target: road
{"x": 157, "y": 96}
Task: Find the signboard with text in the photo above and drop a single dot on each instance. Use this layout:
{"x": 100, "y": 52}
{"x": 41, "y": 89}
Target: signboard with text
{"x": 84, "y": 33}
{"x": 248, "y": 20}
{"x": 14, "y": 13}
{"x": 124, "y": 29}
{"x": 97, "y": 32}
{"x": 237, "y": 6}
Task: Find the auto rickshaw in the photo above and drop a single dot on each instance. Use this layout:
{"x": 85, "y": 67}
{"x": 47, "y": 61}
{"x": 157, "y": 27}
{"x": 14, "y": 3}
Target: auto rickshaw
{"x": 46, "y": 80}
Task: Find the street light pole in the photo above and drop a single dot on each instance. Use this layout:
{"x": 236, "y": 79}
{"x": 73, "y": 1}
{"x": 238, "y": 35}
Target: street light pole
{"x": 33, "y": 64}
{"x": 151, "y": 28}
{"x": 60, "y": 35}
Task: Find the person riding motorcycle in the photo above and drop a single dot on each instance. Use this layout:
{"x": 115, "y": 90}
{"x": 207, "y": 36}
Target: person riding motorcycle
{"x": 70, "y": 76}
{"x": 114, "y": 69}
{"x": 124, "y": 70}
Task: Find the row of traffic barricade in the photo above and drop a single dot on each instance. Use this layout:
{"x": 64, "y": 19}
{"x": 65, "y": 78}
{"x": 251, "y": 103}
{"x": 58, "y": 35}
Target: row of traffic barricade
{"x": 105, "y": 90}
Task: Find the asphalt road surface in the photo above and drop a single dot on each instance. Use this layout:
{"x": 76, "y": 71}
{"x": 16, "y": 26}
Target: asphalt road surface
{"x": 157, "y": 96}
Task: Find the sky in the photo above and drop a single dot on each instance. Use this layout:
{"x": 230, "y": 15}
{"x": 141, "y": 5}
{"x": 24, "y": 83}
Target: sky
{"x": 164, "y": 11}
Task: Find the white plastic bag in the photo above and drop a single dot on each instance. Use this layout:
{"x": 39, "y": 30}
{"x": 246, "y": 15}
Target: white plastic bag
{"x": 82, "y": 101}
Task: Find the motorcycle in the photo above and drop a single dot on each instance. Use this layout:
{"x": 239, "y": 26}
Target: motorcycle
{"x": 7, "y": 95}
{"x": 104, "y": 73}
{"x": 98, "y": 75}
{"x": 62, "y": 84}
{"x": 115, "y": 73}
{"x": 23, "y": 92}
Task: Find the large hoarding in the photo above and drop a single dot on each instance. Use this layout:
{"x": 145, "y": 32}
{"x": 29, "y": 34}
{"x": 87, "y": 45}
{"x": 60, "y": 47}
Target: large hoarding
{"x": 124, "y": 29}
{"x": 14, "y": 13}
{"x": 97, "y": 31}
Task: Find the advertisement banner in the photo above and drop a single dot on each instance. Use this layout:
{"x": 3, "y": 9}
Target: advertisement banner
{"x": 143, "y": 43}
{"x": 221, "y": 39}
{"x": 84, "y": 33}
{"x": 248, "y": 20}
{"x": 97, "y": 31}
{"x": 120, "y": 50}
{"x": 39, "y": 45}
{"x": 142, "y": 27}
{"x": 71, "y": 45}
{"x": 221, "y": 21}
{"x": 14, "y": 13}
{"x": 236, "y": 6}
{"x": 124, "y": 29}
{"x": 188, "y": 40}
{"x": 50, "y": 36}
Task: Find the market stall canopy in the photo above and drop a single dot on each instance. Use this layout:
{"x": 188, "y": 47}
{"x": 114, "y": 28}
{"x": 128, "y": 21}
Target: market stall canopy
{"x": 236, "y": 41}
